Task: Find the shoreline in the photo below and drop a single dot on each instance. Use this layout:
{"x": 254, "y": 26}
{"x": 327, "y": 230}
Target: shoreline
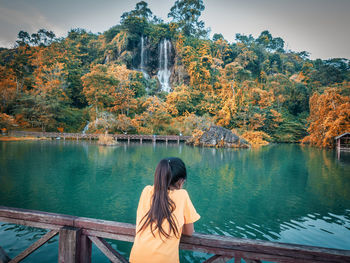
{"x": 24, "y": 138}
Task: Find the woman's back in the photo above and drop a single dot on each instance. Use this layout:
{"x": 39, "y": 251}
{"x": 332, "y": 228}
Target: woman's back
{"x": 155, "y": 247}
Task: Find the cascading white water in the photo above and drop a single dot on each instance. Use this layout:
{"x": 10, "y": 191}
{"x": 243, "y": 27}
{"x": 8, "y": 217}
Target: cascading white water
{"x": 164, "y": 72}
{"x": 142, "y": 63}
{"x": 86, "y": 128}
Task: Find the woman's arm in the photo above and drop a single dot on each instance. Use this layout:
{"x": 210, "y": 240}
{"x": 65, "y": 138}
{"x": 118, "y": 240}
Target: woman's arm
{"x": 188, "y": 229}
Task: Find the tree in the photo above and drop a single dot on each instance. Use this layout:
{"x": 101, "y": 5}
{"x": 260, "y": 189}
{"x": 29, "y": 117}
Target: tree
{"x": 19, "y": 61}
{"x": 265, "y": 38}
{"x": 42, "y": 38}
{"x": 124, "y": 124}
{"x": 46, "y": 103}
{"x": 136, "y": 21}
{"x": 7, "y": 87}
{"x": 180, "y": 98}
{"x": 277, "y": 44}
{"x": 155, "y": 118}
{"x": 186, "y": 14}
{"x": 110, "y": 87}
{"x": 141, "y": 11}
{"x": 23, "y": 38}
{"x": 99, "y": 85}
{"x": 329, "y": 71}
{"x": 246, "y": 40}
{"x": 217, "y": 36}
{"x": 329, "y": 117}
{"x": 7, "y": 122}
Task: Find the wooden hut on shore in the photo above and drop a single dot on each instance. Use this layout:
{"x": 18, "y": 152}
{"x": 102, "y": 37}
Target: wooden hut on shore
{"x": 343, "y": 142}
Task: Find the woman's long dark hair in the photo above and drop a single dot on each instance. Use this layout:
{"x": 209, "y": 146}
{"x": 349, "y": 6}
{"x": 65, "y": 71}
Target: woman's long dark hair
{"x": 168, "y": 172}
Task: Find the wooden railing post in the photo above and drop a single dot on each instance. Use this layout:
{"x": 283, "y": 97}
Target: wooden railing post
{"x": 77, "y": 233}
{"x": 69, "y": 245}
{"x": 85, "y": 249}
{"x": 4, "y": 258}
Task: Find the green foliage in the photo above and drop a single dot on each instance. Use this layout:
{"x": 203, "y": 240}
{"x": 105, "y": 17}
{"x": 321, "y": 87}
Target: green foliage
{"x": 41, "y": 38}
{"x": 186, "y": 14}
{"x": 330, "y": 71}
{"x": 297, "y": 99}
{"x": 46, "y": 111}
{"x": 253, "y": 85}
{"x": 112, "y": 32}
{"x": 136, "y": 21}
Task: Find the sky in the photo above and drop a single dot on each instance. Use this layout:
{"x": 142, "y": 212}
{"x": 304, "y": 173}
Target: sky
{"x": 321, "y": 27}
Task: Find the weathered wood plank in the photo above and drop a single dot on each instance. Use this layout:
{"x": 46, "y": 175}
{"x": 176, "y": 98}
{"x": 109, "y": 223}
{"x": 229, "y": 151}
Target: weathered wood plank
{"x": 69, "y": 244}
{"x": 252, "y": 260}
{"x": 37, "y": 216}
{"x": 258, "y": 256}
{"x": 107, "y": 249}
{"x": 41, "y": 241}
{"x": 212, "y": 244}
{"x": 238, "y": 259}
{"x": 29, "y": 223}
{"x": 128, "y": 137}
{"x": 215, "y": 244}
{"x": 56, "y": 221}
{"x": 4, "y": 258}
{"x": 107, "y": 235}
{"x": 85, "y": 249}
{"x": 217, "y": 259}
{"x": 105, "y": 226}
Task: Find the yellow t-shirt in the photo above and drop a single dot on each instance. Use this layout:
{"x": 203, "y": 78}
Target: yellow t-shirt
{"x": 149, "y": 248}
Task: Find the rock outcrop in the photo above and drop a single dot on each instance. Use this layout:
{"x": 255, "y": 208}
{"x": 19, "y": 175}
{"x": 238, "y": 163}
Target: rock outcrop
{"x": 217, "y": 136}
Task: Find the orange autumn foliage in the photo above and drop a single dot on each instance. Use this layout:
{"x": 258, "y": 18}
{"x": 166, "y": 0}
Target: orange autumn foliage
{"x": 256, "y": 138}
{"x": 7, "y": 121}
{"x": 329, "y": 117}
{"x": 7, "y": 86}
{"x": 109, "y": 87}
{"x": 49, "y": 72}
{"x": 179, "y": 100}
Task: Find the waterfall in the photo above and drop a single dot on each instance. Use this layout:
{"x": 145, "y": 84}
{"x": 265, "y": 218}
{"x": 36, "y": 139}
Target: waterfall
{"x": 164, "y": 72}
{"x": 142, "y": 63}
{"x": 86, "y": 128}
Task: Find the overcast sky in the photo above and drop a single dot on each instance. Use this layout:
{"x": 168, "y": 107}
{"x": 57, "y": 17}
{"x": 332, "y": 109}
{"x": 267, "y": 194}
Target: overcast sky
{"x": 320, "y": 27}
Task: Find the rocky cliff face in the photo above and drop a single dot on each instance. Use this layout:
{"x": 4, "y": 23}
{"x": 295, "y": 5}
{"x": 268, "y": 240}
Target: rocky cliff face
{"x": 155, "y": 60}
{"x": 218, "y": 136}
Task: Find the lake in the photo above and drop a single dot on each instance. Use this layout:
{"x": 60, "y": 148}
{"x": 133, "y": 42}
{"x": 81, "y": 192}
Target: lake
{"x": 286, "y": 193}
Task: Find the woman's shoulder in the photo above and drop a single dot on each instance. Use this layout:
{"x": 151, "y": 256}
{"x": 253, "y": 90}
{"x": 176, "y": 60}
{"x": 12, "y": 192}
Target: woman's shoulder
{"x": 180, "y": 192}
{"x": 147, "y": 189}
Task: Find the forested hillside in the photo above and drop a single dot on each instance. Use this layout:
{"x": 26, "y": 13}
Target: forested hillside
{"x": 150, "y": 77}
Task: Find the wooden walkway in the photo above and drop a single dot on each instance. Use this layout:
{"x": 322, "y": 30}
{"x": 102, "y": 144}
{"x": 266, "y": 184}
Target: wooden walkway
{"x": 87, "y": 136}
{"x": 76, "y": 235}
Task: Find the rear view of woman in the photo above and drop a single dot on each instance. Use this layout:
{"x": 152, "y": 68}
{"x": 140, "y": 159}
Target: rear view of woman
{"x": 165, "y": 211}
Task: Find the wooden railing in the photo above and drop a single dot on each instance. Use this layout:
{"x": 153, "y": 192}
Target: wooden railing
{"x": 344, "y": 146}
{"x": 88, "y": 136}
{"x": 76, "y": 235}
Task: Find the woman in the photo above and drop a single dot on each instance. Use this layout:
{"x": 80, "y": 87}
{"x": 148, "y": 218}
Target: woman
{"x": 165, "y": 211}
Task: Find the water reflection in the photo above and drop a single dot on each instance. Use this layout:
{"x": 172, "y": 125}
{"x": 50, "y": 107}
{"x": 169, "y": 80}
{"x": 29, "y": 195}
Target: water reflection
{"x": 285, "y": 193}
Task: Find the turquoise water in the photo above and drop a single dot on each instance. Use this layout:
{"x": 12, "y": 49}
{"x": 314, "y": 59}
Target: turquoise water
{"x": 286, "y": 193}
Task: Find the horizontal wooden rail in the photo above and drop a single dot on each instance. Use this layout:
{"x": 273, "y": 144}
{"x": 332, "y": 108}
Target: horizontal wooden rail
{"x": 222, "y": 247}
{"x": 128, "y": 137}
